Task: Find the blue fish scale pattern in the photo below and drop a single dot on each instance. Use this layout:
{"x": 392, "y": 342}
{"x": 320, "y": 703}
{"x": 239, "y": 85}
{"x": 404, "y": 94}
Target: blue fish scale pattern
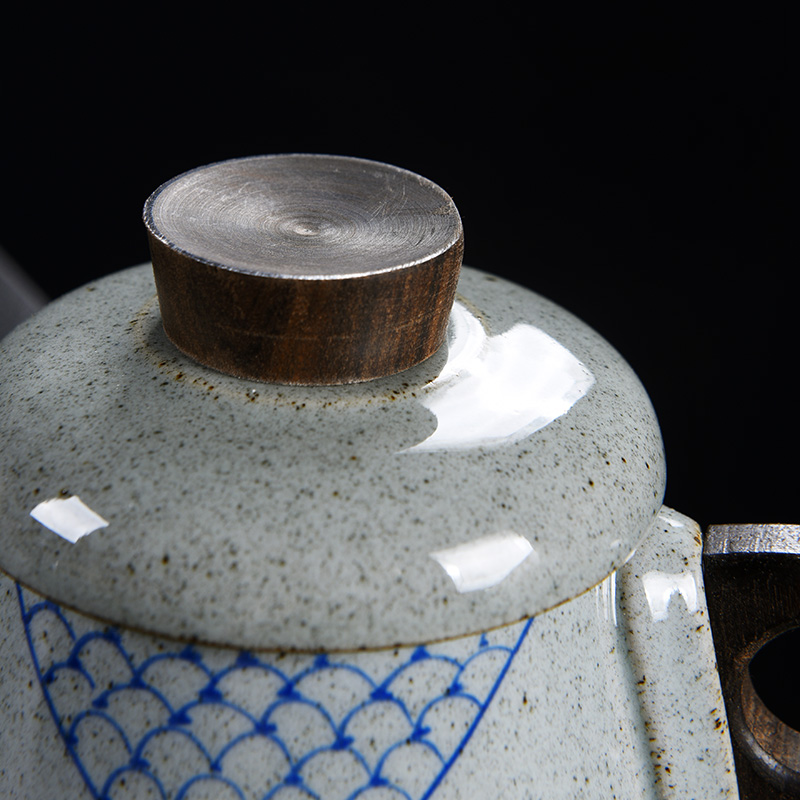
{"x": 143, "y": 717}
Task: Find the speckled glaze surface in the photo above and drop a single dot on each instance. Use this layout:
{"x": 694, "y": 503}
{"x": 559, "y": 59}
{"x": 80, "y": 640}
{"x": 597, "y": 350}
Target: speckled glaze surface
{"x": 612, "y": 695}
{"x": 510, "y": 472}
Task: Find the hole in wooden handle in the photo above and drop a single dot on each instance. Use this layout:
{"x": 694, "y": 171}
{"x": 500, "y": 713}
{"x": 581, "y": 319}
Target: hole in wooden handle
{"x": 772, "y": 745}
{"x": 752, "y": 581}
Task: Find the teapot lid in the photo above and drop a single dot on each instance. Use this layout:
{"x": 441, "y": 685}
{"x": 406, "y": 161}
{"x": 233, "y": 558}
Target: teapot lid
{"x": 510, "y": 471}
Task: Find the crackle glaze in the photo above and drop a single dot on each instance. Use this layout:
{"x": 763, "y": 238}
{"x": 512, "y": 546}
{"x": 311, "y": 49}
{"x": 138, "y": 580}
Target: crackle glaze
{"x": 458, "y": 582}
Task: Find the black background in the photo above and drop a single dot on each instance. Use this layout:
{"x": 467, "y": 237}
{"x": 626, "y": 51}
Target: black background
{"x": 629, "y": 167}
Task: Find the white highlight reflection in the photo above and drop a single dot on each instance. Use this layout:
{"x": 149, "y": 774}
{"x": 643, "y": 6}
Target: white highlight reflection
{"x": 69, "y": 517}
{"x": 500, "y": 389}
{"x": 670, "y": 520}
{"x": 605, "y": 599}
{"x": 484, "y": 562}
{"x": 660, "y": 586}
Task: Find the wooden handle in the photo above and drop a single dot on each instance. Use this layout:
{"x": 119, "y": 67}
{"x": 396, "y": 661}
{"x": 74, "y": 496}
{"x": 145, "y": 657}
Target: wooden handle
{"x": 752, "y": 579}
{"x": 304, "y": 269}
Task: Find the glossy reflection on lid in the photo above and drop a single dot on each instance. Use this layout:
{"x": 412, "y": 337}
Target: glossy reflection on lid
{"x": 497, "y": 390}
{"x": 485, "y": 561}
{"x": 69, "y": 517}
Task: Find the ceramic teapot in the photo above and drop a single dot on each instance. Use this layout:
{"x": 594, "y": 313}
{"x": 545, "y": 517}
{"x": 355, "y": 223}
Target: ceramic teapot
{"x": 307, "y": 510}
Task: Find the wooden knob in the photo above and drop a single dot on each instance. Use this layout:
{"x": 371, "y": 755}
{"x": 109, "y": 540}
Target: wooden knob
{"x": 304, "y": 269}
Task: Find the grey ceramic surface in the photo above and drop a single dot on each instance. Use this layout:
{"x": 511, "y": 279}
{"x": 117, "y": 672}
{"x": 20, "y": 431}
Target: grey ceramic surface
{"x": 614, "y": 694}
{"x": 511, "y": 471}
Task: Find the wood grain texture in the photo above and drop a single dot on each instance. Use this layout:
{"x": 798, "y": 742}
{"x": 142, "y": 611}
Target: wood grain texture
{"x": 752, "y": 579}
{"x": 305, "y": 269}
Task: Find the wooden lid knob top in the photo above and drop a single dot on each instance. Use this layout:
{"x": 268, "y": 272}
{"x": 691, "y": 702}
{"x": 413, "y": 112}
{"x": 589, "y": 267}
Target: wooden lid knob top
{"x": 304, "y": 269}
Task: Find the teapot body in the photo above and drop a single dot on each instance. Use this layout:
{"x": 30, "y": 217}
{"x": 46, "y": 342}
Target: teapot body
{"x": 614, "y": 693}
{"x": 468, "y": 589}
